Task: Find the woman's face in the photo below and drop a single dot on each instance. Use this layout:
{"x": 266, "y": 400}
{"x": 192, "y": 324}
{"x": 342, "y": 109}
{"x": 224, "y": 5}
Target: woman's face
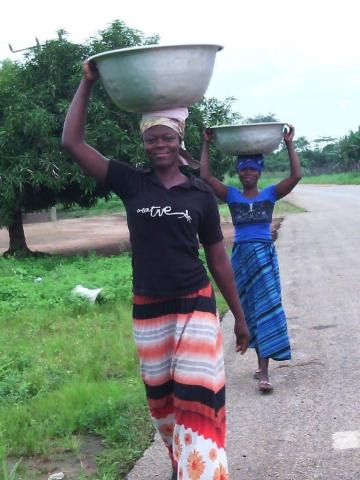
{"x": 162, "y": 145}
{"x": 249, "y": 177}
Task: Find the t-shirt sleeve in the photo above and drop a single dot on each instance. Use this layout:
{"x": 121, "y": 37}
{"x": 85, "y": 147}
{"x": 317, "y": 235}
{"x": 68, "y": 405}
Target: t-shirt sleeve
{"x": 210, "y": 228}
{"x": 271, "y": 193}
{"x": 232, "y": 195}
{"x": 123, "y": 179}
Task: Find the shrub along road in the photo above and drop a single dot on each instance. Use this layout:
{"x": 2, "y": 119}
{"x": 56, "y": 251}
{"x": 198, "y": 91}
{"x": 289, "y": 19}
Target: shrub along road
{"x": 309, "y": 428}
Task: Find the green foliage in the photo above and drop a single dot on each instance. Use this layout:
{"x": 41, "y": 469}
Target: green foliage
{"x": 350, "y": 151}
{"x": 34, "y": 97}
{"x": 326, "y": 156}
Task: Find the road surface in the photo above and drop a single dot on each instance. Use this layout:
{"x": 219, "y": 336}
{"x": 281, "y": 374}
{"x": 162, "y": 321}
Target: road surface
{"x": 309, "y": 428}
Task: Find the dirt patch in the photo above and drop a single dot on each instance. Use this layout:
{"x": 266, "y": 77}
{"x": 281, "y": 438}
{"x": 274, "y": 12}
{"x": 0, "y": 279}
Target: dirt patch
{"x": 105, "y": 235}
{"x": 74, "y": 465}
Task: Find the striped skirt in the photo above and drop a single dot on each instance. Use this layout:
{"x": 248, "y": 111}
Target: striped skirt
{"x": 180, "y": 349}
{"x": 257, "y": 279}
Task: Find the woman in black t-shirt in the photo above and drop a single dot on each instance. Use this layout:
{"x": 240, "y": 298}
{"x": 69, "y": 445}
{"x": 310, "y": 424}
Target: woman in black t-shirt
{"x": 176, "y": 327}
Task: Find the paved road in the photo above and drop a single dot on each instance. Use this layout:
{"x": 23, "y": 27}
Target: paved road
{"x": 309, "y": 428}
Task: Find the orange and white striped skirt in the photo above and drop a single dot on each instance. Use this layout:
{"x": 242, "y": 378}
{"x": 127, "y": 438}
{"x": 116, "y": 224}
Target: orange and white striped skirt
{"x": 180, "y": 349}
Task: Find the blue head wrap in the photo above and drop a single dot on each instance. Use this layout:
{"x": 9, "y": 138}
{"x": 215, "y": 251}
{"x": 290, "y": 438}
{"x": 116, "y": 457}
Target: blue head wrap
{"x": 250, "y": 161}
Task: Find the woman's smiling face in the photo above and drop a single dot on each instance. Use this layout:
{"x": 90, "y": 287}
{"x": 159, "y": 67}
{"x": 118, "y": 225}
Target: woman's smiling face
{"x": 249, "y": 177}
{"x": 162, "y": 145}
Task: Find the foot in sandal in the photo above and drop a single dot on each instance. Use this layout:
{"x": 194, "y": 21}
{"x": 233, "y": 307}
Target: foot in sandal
{"x": 265, "y": 386}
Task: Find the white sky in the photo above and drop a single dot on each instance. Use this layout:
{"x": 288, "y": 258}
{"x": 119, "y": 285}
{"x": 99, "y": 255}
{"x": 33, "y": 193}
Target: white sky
{"x": 297, "y": 59}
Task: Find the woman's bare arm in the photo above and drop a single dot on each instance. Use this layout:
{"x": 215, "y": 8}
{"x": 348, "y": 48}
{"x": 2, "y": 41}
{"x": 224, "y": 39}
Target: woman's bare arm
{"x": 220, "y": 268}
{"x": 218, "y": 187}
{"x": 289, "y": 183}
{"x": 73, "y": 138}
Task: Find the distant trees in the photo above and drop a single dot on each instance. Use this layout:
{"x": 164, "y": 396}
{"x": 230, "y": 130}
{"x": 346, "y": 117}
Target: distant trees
{"x": 35, "y": 94}
{"x": 34, "y": 97}
{"x": 349, "y": 150}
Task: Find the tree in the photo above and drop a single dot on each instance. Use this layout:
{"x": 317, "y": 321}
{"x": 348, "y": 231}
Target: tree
{"x": 349, "y": 149}
{"x": 34, "y": 97}
{"x": 260, "y": 118}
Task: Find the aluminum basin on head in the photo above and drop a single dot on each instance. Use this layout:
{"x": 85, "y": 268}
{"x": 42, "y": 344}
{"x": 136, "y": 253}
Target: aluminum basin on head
{"x": 156, "y": 77}
{"x": 248, "y": 139}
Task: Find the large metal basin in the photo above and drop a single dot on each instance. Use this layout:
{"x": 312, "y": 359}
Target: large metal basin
{"x": 156, "y": 77}
{"x": 248, "y": 139}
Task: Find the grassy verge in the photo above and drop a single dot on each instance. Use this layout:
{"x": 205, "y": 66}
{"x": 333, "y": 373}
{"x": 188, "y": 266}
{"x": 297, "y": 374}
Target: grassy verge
{"x": 266, "y": 179}
{"x": 69, "y": 368}
{"x": 102, "y": 207}
{"x": 346, "y": 178}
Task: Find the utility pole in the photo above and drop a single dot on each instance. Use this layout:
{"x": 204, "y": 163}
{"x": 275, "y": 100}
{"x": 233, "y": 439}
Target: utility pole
{"x": 38, "y": 44}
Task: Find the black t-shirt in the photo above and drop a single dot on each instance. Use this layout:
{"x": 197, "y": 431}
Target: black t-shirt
{"x": 165, "y": 228}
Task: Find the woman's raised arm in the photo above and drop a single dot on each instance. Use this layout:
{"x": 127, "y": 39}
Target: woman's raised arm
{"x": 218, "y": 187}
{"x": 73, "y": 138}
{"x": 289, "y": 183}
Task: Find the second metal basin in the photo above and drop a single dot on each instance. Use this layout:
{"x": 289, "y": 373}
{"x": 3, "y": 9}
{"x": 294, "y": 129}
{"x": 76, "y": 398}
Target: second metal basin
{"x": 248, "y": 139}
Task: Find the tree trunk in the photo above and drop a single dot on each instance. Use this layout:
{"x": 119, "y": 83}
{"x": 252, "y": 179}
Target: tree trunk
{"x": 17, "y": 246}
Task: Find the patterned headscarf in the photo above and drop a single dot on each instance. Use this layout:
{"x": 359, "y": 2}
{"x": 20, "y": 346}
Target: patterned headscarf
{"x": 250, "y": 161}
{"x": 174, "y": 119}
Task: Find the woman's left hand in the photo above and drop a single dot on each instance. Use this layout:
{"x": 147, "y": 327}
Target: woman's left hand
{"x": 289, "y": 133}
{"x": 242, "y": 336}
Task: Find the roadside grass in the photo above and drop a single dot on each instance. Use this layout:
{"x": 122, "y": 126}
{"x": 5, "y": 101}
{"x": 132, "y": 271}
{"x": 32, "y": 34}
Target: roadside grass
{"x": 102, "y": 207}
{"x": 346, "y": 178}
{"x": 67, "y": 367}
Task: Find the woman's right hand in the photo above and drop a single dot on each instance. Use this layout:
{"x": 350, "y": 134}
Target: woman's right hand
{"x": 90, "y": 71}
{"x": 242, "y": 335}
{"x": 207, "y": 135}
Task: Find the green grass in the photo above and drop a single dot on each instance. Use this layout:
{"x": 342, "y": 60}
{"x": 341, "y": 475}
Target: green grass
{"x": 266, "y": 179}
{"x": 346, "y": 178}
{"x": 67, "y": 367}
{"x": 102, "y": 207}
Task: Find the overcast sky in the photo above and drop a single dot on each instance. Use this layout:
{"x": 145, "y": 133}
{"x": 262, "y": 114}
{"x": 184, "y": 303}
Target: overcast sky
{"x": 297, "y": 59}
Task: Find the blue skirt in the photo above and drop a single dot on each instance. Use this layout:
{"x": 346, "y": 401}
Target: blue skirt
{"x": 257, "y": 279}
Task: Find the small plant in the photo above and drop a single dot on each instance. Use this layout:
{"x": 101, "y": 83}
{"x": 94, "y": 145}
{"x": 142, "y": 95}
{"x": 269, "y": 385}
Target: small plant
{"x": 7, "y": 472}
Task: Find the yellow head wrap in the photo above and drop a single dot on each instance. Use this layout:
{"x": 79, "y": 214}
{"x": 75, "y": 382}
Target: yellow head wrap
{"x": 174, "y": 119}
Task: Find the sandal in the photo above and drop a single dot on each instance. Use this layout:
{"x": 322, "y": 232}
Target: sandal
{"x": 265, "y": 386}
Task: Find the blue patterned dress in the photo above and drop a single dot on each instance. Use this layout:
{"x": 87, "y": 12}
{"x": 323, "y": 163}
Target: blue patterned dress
{"x": 256, "y": 270}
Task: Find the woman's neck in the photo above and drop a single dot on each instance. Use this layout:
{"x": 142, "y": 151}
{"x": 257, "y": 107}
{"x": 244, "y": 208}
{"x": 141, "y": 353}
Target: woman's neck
{"x": 250, "y": 192}
{"x": 170, "y": 176}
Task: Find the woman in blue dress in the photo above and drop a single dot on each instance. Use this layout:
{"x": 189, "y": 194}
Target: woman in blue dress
{"x": 254, "y": 257}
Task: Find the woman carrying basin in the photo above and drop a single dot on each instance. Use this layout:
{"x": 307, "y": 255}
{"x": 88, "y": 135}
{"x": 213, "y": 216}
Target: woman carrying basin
{"x": 176, "y": 326}
{"x": 254, "y": 257}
